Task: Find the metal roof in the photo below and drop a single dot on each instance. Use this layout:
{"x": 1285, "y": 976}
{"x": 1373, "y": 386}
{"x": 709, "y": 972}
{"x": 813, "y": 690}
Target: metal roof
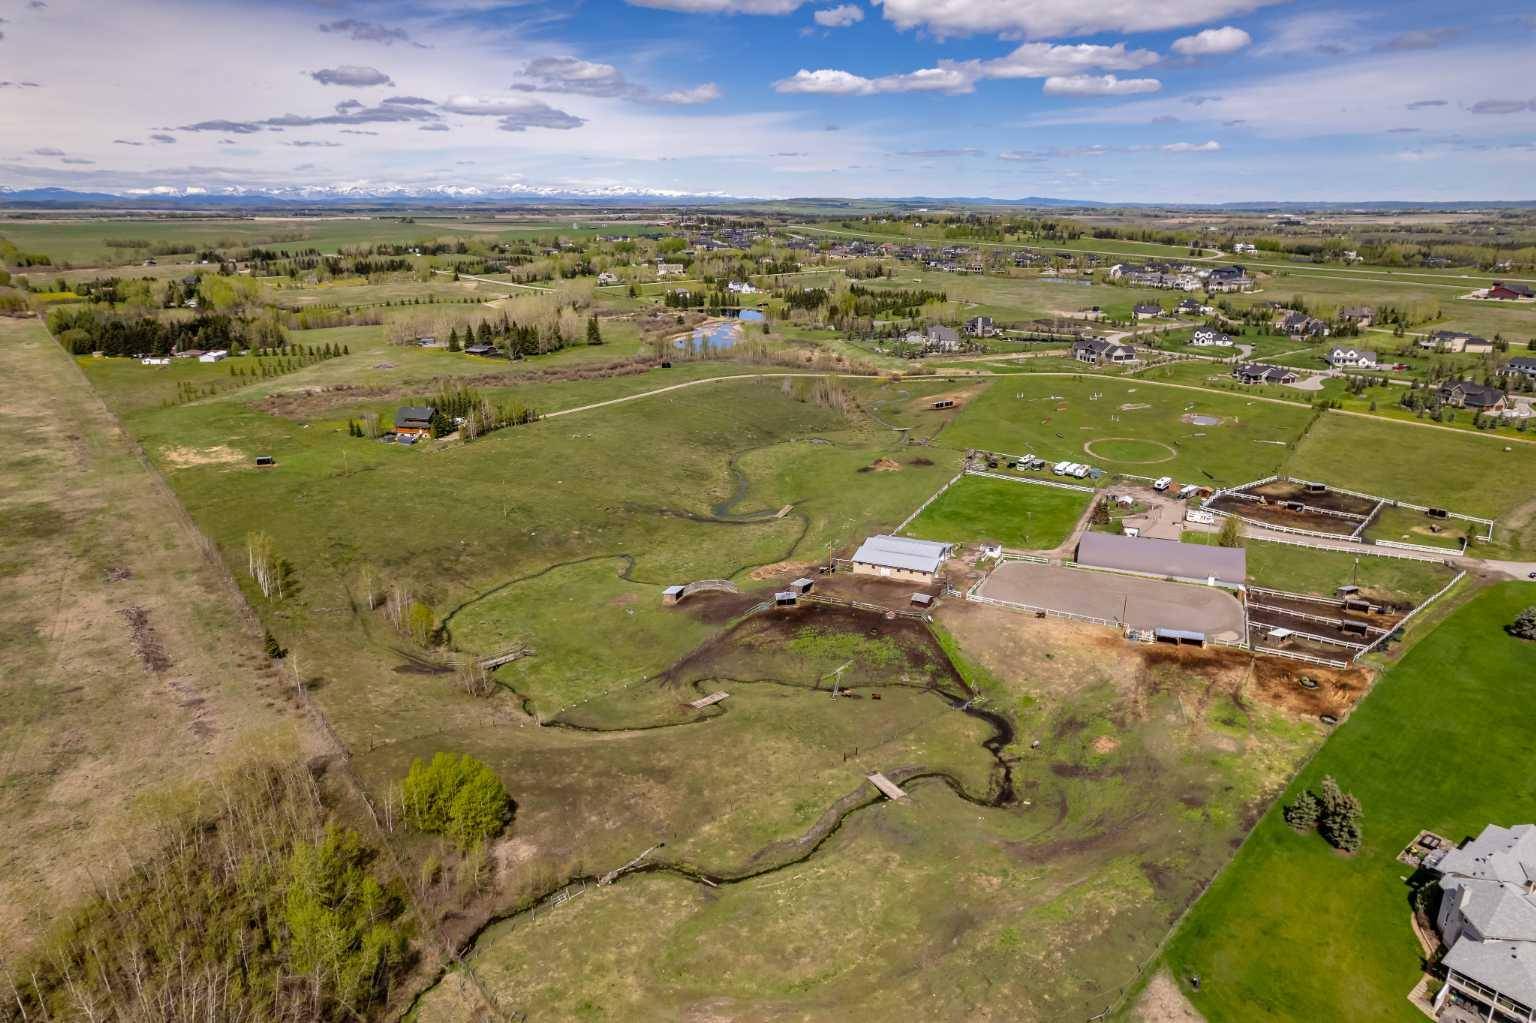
{"x": 886, "y": 551}
{"x": 1198, "y": 637}
{"x": 1163, "y": 557}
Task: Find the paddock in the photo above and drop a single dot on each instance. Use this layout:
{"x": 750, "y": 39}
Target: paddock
{"x": 1130, "y": 600}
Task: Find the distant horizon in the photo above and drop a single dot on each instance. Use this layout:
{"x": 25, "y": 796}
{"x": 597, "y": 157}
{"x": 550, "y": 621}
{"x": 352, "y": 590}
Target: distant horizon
{"x": 618, "y": 196}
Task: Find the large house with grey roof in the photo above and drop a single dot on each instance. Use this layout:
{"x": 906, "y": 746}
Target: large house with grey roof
{"x": 1487, "y": 920}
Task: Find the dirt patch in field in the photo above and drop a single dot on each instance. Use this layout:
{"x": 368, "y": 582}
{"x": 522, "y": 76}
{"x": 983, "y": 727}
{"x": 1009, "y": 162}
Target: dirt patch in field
{"x": 1277, "y": 682}
{"x": 882, "y": 465}
{"x": 146, "y": 640}
{"x": 1105, "y": 744}
{"x": 1163, "y": 1002}
{"x": 1048, "y": 655}
{"x": 1134, "y": 406}
{"x": 785, "y": 570}
{"x": 186, "y": 458}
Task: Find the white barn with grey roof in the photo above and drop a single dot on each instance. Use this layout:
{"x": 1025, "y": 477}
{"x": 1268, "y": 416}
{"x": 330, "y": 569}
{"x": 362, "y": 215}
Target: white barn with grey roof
{"x": 898, "y": 557}
{"x": 1487, "y": 920}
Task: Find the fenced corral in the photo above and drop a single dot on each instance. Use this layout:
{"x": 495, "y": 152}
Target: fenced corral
{"x": 1118, "y": 600}
{"x": 862, "y": 605}
{"x": 924, "y": 506}
{"x": 1309, "y": 508}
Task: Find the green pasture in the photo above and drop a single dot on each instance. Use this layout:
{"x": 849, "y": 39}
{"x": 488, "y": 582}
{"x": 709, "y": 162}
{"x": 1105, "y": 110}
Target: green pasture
{"x": 1061, "y": 418}
{"x": 1021, "y": 515}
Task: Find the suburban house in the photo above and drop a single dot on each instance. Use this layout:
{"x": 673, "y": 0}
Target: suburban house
{"x": 482, "y": 349}
{"x": 1360, "y": 315}
{"x": 942, "y": 338}
{"x": 217, "y": 355}
{"x": 1522, "y": 366}
{"x": 1352, "y": 358}
{"x": 1228, "y": 278}
{"x": 1167, "y": 558}
{"x": 980, "y": 326}
{"x": 1301, "y": 325}
{"x": 414, "y": 421}
{"x": 741, "y": 288}
{"x": 1509, "y": 291}
{"x": 669, "y": 269}
{"x": 1487, "y": 919}
{"x": 1455, "y": 341}
{"x": 896, "y": 557}
{"x": 1210, "y": 337}
{"x": 1097, "y": 352}
{"x": 1187, "y": 307}
{"x": 606, "y": 278}
{"x": 1147, "y": 310}
{"x": 1258, "y": 373}
{"x": 1466, "y": 394}
{"x": 1246, "y": 248}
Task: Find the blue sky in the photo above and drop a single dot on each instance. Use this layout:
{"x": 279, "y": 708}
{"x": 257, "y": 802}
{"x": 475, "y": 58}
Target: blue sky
{"x": 1200, "y": 100}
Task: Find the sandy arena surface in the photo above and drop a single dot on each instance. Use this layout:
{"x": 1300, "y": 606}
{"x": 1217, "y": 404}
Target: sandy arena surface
{"x": 1140, "y": 603}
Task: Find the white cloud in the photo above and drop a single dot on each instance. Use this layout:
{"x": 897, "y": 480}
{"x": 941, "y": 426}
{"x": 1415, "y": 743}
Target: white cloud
{"x": 1031, "y": 60}
{"x": 1351, "y": 98}
{"x": 839, "y": 17}
{"x": 826, "y": 82}
{"x": 1212, "y": 41}
{"x": 834, "y": 82}
{"x": 1037, "y": 19}
{"x": 1041, "y": 60}
{"x": 1193, "y": 147}
{"x": 706, "y": 93}
{"x": 723, "y": 6}
{"x": 1098, "y": 85}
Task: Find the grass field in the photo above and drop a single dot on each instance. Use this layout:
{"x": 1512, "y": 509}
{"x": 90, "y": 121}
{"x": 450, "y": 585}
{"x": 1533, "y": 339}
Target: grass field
{"x": 1465, "y": 472}
{"x": 1409, "y": 526}
{"x": 1310, "y": 570}
{"x": 1125, "y": 810}
{"x": 1060, "y": 417}
{"x": 1292, "y": 930}
{"x": 128, "y": 673}
{"x": 1018, "y": 515}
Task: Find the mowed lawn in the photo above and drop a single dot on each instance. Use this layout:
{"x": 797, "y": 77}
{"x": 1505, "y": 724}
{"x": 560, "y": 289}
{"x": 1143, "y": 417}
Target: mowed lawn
{"x": 1295, "y": 931}
{"x": 1055, "y": 417}
{"x": 1020, "y": 515}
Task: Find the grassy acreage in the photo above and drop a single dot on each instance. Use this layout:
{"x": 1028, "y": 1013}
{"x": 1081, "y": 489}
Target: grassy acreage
{"x": 1295, "y": 931}
{"x": 1020, "y": 515}
{"x": 1061, "y": 417}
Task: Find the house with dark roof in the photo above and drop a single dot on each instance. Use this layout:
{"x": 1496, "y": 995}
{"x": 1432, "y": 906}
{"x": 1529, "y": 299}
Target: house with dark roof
{"x": 1360, "y": 315}
{"x": 1522, "y": 366}
{"x": 1301, "y": 325}
{"x": 980, "y": 326}
{"x": 1098, "y": 352}
{"x": 1466, "y": 394}
{"x": 942, "y": 338}
{"x": 1259, "y": 373}
{"x": 1509, "y": 291}
{"x": 1147, "y": 310}
{"x": 414, "y": 421}
{"x": 1228, "y": 278}
{"x": 1487, "y": 919}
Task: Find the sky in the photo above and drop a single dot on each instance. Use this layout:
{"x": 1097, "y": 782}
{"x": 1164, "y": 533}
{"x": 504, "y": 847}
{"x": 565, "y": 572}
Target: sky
{"x": 1111, "y": 100}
